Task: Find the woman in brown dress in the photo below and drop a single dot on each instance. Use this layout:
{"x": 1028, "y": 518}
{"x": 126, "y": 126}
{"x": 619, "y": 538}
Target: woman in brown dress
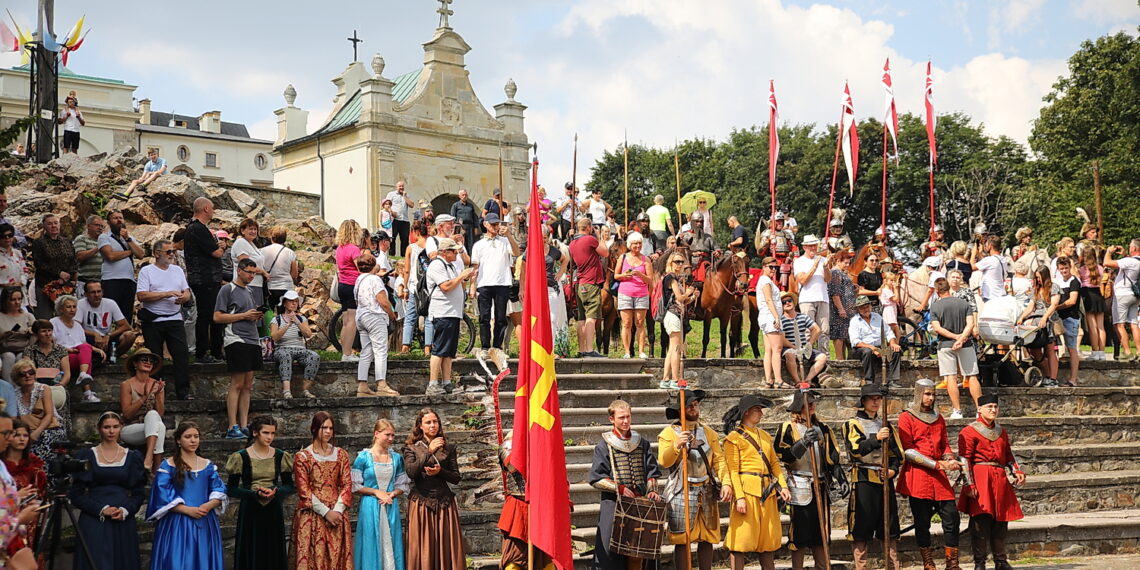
{"x": 322, "y": 533}
{"x": 434, "y": 539}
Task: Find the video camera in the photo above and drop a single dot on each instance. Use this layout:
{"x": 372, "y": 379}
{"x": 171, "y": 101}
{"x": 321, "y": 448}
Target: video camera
{"x": 64, "y": 465}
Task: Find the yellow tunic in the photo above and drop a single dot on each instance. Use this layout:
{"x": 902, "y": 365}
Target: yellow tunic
{"x": 758, "y": 529}
{"x": 667, "y": 458}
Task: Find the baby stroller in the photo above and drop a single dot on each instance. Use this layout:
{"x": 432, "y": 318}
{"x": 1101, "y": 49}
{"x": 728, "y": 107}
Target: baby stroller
{"x": 997, "y": 326}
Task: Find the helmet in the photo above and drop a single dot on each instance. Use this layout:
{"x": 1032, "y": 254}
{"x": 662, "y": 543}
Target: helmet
{"x": 922, "y": 386}
{"x": 879, "y": 231}
{"x": 697, "y": 217}
{"x": 779, "y": 216}
{"x": 643, "y": 217}
{"x": 937, "y": 228}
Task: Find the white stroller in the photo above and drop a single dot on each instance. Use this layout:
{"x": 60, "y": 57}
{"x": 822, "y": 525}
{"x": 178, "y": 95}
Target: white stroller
{"x": 997, "y": 325}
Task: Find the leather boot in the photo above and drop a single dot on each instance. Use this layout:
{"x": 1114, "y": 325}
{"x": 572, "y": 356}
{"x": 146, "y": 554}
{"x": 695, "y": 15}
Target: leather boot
{"x": 997, "y": 545}
{"x": 927, "y": 558}
{"x": 859, "y": 554}
{"x": 893, "y": 555}
{"x": 952, "y": 558}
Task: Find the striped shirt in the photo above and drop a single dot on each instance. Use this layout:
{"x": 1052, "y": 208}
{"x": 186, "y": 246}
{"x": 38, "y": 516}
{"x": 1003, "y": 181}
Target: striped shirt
{"x": 789, "y": 326}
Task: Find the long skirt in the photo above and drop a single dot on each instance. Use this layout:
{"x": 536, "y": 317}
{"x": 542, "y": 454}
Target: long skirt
{"x": 260, "y": 540}
{"x": 434, "y": 539}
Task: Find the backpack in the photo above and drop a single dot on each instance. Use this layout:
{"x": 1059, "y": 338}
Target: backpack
{"x": 423, "y": 295}
{"x": 1135, "y": 284}
{"x": 659, "y": 301}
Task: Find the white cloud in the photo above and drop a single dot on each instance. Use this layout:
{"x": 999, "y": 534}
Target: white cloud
{"x": 1011, "y": 18}
{"x": 1108, "y": 11}
{"x": 205, "y": 70}
{"x": 687, "y": 70}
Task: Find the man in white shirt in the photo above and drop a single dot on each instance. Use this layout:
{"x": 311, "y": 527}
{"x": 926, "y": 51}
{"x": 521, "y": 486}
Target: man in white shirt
{"x": 445, "y": 228}
{"x": 71, "y": 119}
{"x": 993, "y": 269}
{"x": 812, "y": 275}
{"x": 402, "y": 221}
{"x": 119, "y": 251}
{"x": 445, "y": 310}
{"x": 1127, "y": 304}
{"x": 103, "y": 322}
{"x": 493, "y": 256}
{"x": 865, "y": 332}
{"x": 162, "y": 290}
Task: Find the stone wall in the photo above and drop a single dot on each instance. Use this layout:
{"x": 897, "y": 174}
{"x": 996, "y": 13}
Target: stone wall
{"x": 283, "y": 203}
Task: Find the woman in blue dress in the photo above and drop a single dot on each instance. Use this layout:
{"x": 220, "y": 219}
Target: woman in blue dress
{"x": 185, "y": 500}
{"x": 108, "y": 495}
{"x": 378, "y": 476}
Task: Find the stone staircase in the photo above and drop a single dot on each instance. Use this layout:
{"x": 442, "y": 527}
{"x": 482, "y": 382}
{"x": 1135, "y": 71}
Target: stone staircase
{"x": 1080, "y": 446}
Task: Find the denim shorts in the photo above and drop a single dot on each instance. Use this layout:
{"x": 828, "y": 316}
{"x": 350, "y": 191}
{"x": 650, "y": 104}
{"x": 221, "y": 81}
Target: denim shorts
{"x": 1072, "y": 330}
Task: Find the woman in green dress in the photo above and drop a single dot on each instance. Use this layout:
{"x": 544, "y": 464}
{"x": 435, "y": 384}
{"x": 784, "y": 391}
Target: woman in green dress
{"x": 261, "y": 477}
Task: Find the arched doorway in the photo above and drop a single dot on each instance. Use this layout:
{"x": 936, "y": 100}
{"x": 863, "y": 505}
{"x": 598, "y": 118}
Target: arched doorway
{"x": 442, "y": 204}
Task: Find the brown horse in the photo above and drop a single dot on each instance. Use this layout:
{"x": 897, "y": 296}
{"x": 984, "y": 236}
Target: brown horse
{"x": 722, "y": 298}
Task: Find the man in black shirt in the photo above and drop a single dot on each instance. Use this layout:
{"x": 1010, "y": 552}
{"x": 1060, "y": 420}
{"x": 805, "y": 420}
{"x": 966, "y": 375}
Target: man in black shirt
{"x": 464, "y": 213}
{"x": 738, "y": 235}
{"x": 203, "y": 265}
{"x": 1070, "y": 312}
{"x": 952, "y": 321}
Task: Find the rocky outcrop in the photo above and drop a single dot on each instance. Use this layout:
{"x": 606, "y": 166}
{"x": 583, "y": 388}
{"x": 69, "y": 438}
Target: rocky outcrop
{"x": 75, "y": 187}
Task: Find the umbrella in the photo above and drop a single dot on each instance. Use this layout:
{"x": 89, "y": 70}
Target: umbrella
{"x": 688, "y": 202}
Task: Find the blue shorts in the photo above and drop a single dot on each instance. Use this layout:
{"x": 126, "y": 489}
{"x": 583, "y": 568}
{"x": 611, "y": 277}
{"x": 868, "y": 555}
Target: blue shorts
{"x": 1072, "y": 329}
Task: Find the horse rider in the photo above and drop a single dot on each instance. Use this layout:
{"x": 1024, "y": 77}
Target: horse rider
{"x": 936, "y": 247}
{"x": 779, "y": 243}
{"x": 699, "y": 243}
{"x": 838, "y": 239}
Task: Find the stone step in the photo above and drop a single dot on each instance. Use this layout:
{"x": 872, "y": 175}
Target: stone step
{"x": 1035, "y": 536}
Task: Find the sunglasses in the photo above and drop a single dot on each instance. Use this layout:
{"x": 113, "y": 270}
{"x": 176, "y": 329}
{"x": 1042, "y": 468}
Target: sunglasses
{"x": 788, "y": 302}
{"x": 167, "y": 252}
{"x": 148, "y": 360}
{"x": 872, "y": 260}
{"x": 26, "y": 373}
{"x": 7, "y": 236}
{"x": 773, "y": 267}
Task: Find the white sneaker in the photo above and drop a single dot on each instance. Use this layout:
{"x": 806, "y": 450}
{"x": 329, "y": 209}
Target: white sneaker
{"x": 434, "y": 389}
{"x": 643, "y": 355}
{"x": 350, "y": 358}
{"x": 90, "y": 396}
{"x": 626, "y": 355}
{"x": 956, "y": 415}
{"x": 84, "y": 379}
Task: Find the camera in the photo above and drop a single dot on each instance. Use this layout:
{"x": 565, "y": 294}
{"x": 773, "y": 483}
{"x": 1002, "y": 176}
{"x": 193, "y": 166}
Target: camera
{"x": 64, "y": 465}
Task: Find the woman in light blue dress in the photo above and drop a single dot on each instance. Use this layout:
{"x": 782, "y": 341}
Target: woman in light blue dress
{"x": 378, "y": 477}
{"x": 185, "y": 500}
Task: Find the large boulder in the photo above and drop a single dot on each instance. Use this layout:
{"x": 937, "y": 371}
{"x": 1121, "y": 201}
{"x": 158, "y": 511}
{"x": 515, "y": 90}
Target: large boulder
{"x": 136, "y": 210}
{"x": 228, "y": 220}
{"x": 148, "y": 234}
{"x": 172, "y": 197}
{"x": 27, "y": 208}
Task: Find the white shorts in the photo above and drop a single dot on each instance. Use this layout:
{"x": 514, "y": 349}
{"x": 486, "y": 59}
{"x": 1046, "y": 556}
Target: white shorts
{"x": 626, "y": 303}
{"x": 963, "y": 361}
{"x": 768, "y": 325}
{"x": 672, "y": 323}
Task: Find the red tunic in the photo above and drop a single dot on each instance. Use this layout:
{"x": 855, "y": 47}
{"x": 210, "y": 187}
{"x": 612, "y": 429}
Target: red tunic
{"x": 930, "y": 440}
{"x": 996, "y": 496}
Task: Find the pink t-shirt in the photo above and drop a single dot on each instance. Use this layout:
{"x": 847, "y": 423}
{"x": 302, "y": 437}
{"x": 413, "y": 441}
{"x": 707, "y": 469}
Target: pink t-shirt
{"x": 634, "y": 286}
{"x": 890, "y": 306}
{"x": 346, "y": 263}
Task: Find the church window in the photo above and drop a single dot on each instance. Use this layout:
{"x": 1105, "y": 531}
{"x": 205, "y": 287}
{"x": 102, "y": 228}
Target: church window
{"x": 183, "y": 153}
{"x": 212, "y": 159}
{"x": 260, "y": 161}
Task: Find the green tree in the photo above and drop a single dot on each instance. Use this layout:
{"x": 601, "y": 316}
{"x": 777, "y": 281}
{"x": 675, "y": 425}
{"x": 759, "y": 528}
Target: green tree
{"x": 1092, "y": 114}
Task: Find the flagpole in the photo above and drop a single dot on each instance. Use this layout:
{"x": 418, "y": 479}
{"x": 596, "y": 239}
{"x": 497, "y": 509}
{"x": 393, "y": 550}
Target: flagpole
{"x": 625, "y": 155}
{"x": 834, "y": 177}
{"x": 1099, "y": 202}
{"x": 883, "y": 222}
{"x": 685, "y": 477}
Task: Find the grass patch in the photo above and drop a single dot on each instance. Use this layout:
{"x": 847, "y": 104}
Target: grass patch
{"x": 1032, "y": 560}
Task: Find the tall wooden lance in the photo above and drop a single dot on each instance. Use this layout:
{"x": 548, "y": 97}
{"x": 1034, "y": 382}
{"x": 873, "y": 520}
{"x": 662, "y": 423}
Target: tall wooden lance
{"x": 820, "y": 507}
{"x": 574, "y": 189}
{"x": 625, "y": 156}
{"x": 502, "y": 216}
{"x": 677, "y": 175}
{"x": 1099, "y": 202}
{"x": 685, "y": 473}
{"x": 824, "y": 534}
{"x": 884, "y": 352}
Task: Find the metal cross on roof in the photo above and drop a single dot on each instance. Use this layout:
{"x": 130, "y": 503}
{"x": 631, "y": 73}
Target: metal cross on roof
{"x": 444, "y": 11}
{"x": 355, "y": 40}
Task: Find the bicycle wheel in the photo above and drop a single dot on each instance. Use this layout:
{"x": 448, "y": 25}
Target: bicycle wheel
{"x": 914, "y": 342}
{"x": 467, "y": 334}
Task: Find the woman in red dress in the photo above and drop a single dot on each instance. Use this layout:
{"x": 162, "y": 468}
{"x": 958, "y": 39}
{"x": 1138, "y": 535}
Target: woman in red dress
{"x": 322, "y": 533}
{"x": 25, "y": 468}
{"x": 990, "y": 500}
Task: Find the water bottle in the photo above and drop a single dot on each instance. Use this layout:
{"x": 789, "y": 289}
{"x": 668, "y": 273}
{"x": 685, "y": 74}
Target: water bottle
{"x": 58, "y": 379}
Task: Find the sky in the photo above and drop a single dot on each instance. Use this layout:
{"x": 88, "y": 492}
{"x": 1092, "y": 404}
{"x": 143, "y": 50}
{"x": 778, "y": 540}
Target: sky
{"x": 659, "y": 70}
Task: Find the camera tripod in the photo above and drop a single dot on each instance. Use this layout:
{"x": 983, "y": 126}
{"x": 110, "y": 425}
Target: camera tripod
{"x": 49, "y": 536}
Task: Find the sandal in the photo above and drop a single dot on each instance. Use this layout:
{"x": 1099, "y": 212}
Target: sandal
{"x": 366, "y": 393}
{"x": 287, "y": 395}
{"x": 308, "y": 394}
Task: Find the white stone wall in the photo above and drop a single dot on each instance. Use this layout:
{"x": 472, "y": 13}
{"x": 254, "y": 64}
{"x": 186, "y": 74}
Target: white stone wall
{"x": 235, "y": 159}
